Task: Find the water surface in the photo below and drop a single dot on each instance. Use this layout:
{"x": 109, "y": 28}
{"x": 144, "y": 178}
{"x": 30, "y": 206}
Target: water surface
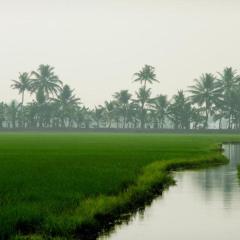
{"x": 204, "y": 204}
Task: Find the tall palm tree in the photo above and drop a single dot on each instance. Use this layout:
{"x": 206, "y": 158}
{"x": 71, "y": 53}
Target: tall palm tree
{"x": 123, "y": 97}
{"x": 228, "y": 81}
{"x": 205, "y": 93}
{"x": 143, "y": 98}
{"x": 146, "y": 75}
{"x": 22, "y": 84}
{"x": 46, "y": 81}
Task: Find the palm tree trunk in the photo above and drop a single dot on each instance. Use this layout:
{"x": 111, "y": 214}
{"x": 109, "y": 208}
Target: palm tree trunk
{"x": 110, "y": 123}
{"x": 206, "y": 120}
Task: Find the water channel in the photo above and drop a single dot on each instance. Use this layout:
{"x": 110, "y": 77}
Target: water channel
{"x": 205, "y": 204}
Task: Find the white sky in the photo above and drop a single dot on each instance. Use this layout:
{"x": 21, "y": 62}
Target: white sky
{"x": 96, "y": 46}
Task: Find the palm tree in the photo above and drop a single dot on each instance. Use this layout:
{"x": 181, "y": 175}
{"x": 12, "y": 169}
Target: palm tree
{"x": 160, "y": 105}
{"x": 12, "y": 111}
{"x": 197, "y": 118}
{"x": 46, "y": 81}
{"x": 66, "y": 102}
{"x": 31, "y": 113}
{"x": 22, "y": 84}
{"x": 143, "y": 98}
{"x": 146, "y": 75}
{"x": 205, "y": 93}
{"x": 179, "y": 111}
{"x": 227, "y": 83}
{"x": 109, "y": 110}
{"x": 122, "y": 99}
{"x": 98, "y": 115}
{"x": 2, "y": 113}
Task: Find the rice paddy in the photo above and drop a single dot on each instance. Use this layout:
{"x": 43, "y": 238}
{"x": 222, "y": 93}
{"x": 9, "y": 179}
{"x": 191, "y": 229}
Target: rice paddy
{"x": 55, "y": 184}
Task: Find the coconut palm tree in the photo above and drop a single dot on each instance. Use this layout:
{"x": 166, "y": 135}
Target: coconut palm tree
{"x": 197, "y": 118}
{"x": 46, "y": 81}
{"x": 67, "y": 103}
{"x": 143, "y": 98}
{"x": 98, "y": 115}
{"x": 122, "y": 98}
{"x": 160, "y": 105}
{"x": 22, "y": 84}
{"x": 146, "y": 75}
{"x": 228, "y": 80}
{"x": 179, "y": 111}
{"x": 109, "y": 111}
{"x": 205, "y": 93}
{"x": 2, "y": 113}
{"x": 12, "y": 111}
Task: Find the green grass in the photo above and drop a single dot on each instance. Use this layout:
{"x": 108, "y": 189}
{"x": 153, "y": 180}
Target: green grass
{"x": 60, "y": 184}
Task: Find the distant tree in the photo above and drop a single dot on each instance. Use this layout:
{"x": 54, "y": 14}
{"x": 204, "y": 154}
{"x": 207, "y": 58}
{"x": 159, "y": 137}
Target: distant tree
{"x": 2, "y": 114}
{"x": 31, "y": 114}
{"x": 146, "y": 75}
{"x": 22, "y": 84}
{"x": 204, "y": 93}
{"x": 79, "y": 116}
{"x": 228, "y": 81}
{"x": 132, "y": 115}
{"x": 122, "y": 98}
{"x": 143, "y": 98}
{"x": 12, "y": 111}
{"x": 46, "y": 81}
{"x": 179, "y": 111}
{"x": 197, "y": 118}
{"x": 109, "y": 111}
{"x": 160, "y": 105}
{"x": 66, "y": 102}
{"x": 98, "y": 115}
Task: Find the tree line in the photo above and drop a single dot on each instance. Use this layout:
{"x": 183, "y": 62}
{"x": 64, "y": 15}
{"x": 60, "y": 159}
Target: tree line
{"x": 213, "y": 100}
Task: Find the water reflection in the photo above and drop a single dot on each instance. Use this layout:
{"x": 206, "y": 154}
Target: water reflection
{"x": 204, "y": 205}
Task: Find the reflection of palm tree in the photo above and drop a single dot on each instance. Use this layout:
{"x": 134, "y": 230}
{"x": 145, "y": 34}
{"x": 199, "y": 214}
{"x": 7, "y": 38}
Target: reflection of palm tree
{"x": 205, "y": 93}
{"x": 46, "y": 81}
{"x": 146, "y": 75}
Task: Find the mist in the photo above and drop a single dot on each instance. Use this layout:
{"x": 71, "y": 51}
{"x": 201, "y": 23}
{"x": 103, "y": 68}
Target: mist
{"x": 96, "y": 47}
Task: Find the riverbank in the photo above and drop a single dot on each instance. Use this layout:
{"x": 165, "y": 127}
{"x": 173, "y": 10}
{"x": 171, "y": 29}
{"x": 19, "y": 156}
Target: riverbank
{"x": 97, "y": 214}
{"x": 135, "y": 166}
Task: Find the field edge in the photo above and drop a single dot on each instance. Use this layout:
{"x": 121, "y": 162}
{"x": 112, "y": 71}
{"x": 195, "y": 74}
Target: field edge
{"x": 98, "y": 215}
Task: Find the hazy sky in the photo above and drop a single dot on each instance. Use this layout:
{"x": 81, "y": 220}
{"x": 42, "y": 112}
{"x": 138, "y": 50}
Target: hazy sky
{"x": 96, "y": 46}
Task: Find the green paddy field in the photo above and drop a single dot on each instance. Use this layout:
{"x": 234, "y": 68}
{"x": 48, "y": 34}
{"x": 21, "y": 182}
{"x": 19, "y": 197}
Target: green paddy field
{"x": 64, "y": 184}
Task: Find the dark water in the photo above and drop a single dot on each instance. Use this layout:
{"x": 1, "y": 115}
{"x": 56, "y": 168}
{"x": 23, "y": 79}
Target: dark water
{"x": 204, "y": 204}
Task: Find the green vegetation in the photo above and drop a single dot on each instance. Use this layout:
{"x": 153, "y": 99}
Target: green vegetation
{"x": 212, "y": 102}
{"x": 64, "y": 184}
